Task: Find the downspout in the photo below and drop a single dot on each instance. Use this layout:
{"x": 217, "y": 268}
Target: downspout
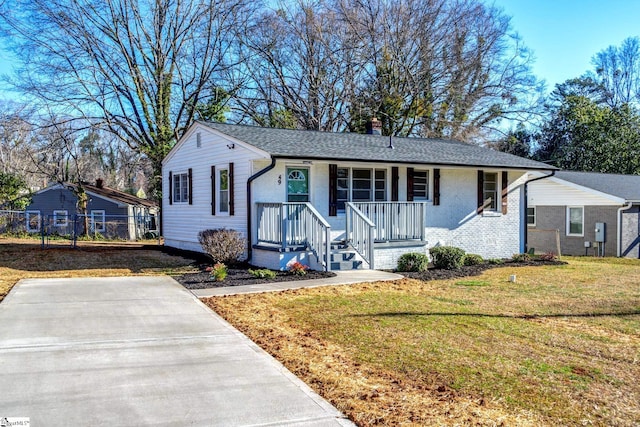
{"x": 526, "y": 202}
{"x": 250, "y": 207}
{"x": 620, "y": 210}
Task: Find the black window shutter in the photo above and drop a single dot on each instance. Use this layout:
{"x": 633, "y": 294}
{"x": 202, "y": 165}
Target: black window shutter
{"x": 231, "y": 192}
{"x": 213, "y": 190}
{"x": 333, "y": 190}
{"x": 394, "y": 183}
{"x": 480, "y": 191}
{"x": 409, "y": 184}
{"x": 170, "y": 188}
{"x": 190, "y": 175}
{"x": 436, "y": 187}
{"x": 505, "y": 191}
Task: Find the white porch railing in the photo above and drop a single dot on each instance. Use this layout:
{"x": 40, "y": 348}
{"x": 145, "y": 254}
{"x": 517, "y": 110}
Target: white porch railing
{"x": 360, "y": 232}
{"x": 294, "y": 225}
{"x": 395, "y": 220}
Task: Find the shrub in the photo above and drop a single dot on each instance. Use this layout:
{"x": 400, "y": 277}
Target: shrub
{"x": 548, "y": 256}
{"x": 447, "y": 257}
{"x": 222, "y": 245}
{"x": 413, "y": 261}
{"x": 297, "y": 268}
{"x": 472, "y": 259}
{"x": 520, "y": 258}
{"x": 263, "y": 273}
{"x": 495, "y": 261}
{"x": 219, "y": 272}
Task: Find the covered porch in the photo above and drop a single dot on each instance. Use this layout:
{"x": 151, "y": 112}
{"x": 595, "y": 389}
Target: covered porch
{"x": 371, "y": 234}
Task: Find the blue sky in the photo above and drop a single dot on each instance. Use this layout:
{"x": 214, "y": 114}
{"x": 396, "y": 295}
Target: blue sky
{"x": 566, "y": 34}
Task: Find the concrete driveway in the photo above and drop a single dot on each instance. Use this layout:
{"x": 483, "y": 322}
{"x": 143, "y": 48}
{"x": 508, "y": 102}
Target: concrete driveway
{"x": 139, "y": 351}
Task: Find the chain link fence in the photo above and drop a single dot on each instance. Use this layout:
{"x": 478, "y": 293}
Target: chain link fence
{"x": 95, "y": 227}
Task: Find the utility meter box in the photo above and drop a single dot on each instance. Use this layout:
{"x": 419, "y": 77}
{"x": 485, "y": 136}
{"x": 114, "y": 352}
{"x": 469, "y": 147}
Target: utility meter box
{"x": 600, "y": 232}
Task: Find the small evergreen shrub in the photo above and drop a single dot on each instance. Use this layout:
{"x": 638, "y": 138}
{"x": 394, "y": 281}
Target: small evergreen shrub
{"x": 521, "y": 258}
{"x": 413, "y": 261}
{"x": 472, "y": 259}
{"x": 222, "y": 245}
{"x": 447, "y": 257}
{"x": 495, "y": 261}
{"x": 263, "y": 273}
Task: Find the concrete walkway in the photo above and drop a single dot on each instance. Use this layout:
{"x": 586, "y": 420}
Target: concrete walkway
{"x": 139, "y": 351}
{"x": 341, "y": 278}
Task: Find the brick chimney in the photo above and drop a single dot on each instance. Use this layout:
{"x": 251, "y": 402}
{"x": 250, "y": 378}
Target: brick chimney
{"x": 374, "y": 127}
{"x": 99, "y": 182}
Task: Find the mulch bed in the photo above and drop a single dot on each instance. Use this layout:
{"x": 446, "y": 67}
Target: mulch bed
{"x": 474, "y": 270}
{"x": 240, "y": 276}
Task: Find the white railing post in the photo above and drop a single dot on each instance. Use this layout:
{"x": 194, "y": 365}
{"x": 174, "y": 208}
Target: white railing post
{"x": 283, "y": 226}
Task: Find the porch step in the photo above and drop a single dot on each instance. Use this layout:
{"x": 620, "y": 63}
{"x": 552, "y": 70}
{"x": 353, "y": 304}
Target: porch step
{"x": 344, "y": 259}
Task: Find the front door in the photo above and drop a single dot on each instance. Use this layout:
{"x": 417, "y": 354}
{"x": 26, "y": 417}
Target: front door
{"x": 297, "y": 184}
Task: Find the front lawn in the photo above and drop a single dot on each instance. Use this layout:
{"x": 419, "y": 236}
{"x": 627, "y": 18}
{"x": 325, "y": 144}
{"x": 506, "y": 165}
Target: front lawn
{"x": 560, "y": 346}
{"x": 24, "y": 258}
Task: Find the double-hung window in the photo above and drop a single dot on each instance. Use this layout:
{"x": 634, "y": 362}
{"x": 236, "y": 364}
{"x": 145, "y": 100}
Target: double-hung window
{"x": 223, "y": 190}
{"x": 531, "y": 216}
{"x": 420, "y": 185}
{"x": 98, "y": 221}
{"x": 490, "y": 191}
{"x": 60, "y": 218}
{"x": 575, "y": 221}
{"x": 181, "y": 188}
{"x": 33, "y": 221}
{"x": 360, "y": 185}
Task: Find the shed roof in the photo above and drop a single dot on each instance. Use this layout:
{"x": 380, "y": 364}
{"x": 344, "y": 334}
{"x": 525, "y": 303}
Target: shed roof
{"x": 624, "y": 186}
{"x": 290, "y": 143}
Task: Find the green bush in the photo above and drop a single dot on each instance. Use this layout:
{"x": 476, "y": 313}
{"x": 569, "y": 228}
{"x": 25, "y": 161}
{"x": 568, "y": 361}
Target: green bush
{"x": 413, "y": 261}
{"x": 263, "y": 273}
{"x": 495, "y": 261}
{"x": 472, "y": 259}
{"x": 521, "y": 258}
{"x": 222, "y": 245}
{"x": 447, "y": 257}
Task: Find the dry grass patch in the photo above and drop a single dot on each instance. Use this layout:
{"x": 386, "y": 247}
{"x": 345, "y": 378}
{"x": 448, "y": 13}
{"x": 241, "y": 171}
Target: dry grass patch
{"x": 561, "y": 346}
{"x": 24, "y": 258}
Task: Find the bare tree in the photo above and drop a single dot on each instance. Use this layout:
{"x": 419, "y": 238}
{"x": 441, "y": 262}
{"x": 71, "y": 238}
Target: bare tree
{"x": 617, "y": 70}
{"x": 136, "y": 67}
{"x": 301, "y": 67}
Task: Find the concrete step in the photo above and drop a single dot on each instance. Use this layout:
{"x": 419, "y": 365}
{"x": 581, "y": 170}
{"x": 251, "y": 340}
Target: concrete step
{"x": 345, "y": 259}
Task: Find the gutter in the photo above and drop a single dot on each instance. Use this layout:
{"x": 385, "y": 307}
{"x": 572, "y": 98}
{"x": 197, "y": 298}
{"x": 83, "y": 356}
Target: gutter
{"x": 249, "y": 205}
{"x": 526, "y": 202}
{"x": 619, "y": 236}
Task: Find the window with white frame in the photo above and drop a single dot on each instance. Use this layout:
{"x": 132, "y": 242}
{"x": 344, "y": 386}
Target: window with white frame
{"x": 223, "y": 190}
{"x": 531, "y": 216}
{"x": 97, "y": 221}
{"x": 420, "y": 185}
{"x": 360, "y": 185}
{"x": 575, "y": 221}
{"x": 490, "y": 191}
{"x": 181, "y": 188}
{"x": 32, "y": 219}
{"x": 60, "y": 218}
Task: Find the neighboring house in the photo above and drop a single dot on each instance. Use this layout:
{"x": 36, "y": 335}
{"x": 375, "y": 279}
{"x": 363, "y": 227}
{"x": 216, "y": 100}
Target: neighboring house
{"x": 294, "y": 192}
{"x": 569, "y": 207}
{"x": 110, "y": 213}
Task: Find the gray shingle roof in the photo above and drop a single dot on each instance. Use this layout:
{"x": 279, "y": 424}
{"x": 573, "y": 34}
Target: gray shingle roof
{"x": 351, "y": 146}
{"x": 623, "y": 186}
